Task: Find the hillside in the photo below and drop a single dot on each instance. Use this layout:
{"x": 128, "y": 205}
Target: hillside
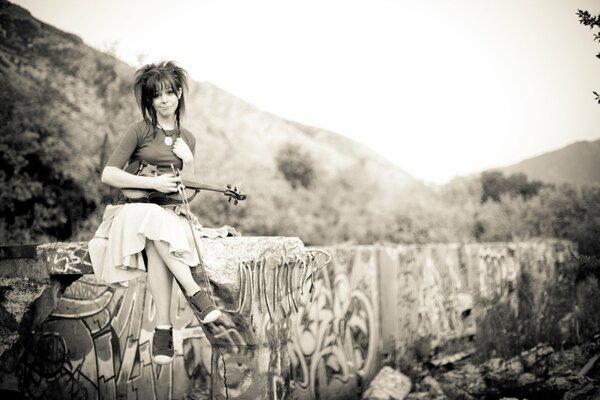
{"x": 234, "y": 132}
{"x": 68, "y": 95}
{"x": 33, "y": 53}
{"x": 577, "y": 163}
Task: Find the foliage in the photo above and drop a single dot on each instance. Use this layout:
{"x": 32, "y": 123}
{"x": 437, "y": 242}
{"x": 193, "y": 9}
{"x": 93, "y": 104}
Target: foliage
{"x": 296, "y": 165}
{"x": 592, "y": 22}
{"x": 589, "y": 266}
{"x": 347, "y": 207}
{"x": 39, "y": 199}
{"x": 561, "y": 313}
{"x": 417, "y": 354}
{"x": 494, "y": 185}
{"x": 565, "y": 211}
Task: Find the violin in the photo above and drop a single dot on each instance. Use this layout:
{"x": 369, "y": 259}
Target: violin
{"x": 187, "y": 190}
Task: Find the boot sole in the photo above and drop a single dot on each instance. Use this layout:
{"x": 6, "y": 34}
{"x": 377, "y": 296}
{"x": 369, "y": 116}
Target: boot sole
{"x": 162, "y": 360}
{"x": 211, "y": 317}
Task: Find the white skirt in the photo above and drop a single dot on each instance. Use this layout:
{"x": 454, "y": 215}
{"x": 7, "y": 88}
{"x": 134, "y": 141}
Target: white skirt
{"x": 116, "y": 249}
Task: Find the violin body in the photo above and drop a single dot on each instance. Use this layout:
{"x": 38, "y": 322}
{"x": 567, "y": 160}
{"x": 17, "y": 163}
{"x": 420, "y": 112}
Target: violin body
{"x": 153, "y": 196}
{"x": 187, "y": 190}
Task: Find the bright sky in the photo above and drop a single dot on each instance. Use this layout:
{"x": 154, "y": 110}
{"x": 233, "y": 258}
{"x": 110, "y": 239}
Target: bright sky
{"x": 441, "y": 88}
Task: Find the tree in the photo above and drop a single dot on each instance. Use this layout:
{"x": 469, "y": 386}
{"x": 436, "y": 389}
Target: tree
{"x": 40, "y": 200}
{"x": 494, "y": 185}
{"x": 587, "y": 19}
{"x": 296, "y": 165}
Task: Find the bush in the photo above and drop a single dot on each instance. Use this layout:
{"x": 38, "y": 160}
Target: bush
{"x": 39, "y": 200}
{"x": 296, "y": 165}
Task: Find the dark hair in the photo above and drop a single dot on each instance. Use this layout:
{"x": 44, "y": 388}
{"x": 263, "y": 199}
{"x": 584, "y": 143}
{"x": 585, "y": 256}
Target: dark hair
{"x": 151, "y": 79}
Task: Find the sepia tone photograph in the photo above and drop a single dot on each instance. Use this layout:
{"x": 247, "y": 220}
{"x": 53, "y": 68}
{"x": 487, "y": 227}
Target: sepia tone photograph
{"x": 383, "y": 199}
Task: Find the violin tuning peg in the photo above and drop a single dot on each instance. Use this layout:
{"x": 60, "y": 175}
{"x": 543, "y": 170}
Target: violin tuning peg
{"x": 235, "y": 202}
{"x": 228, "y": 186}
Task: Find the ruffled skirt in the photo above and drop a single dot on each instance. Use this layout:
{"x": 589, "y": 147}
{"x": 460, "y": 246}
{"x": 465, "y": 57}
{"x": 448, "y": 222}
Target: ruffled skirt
{"x": 116, "y": 251}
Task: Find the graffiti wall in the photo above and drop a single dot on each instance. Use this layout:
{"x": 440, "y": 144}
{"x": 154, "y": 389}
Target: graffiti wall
{"x": 427, "y": 293}
{"x": 256, "y": 325}
{"x": 436, "y": 291}
{"x": 373, "y": 302}
{"x": 97, "y": 344}
{"x": 340, "y": 314}
{"x": 335, "y": 337}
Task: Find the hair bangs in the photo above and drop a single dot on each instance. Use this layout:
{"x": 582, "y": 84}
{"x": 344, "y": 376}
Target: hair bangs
{"x": 159, "y": 82}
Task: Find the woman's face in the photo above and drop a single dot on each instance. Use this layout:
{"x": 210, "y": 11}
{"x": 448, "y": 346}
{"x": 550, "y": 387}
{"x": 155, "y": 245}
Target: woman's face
{"x": 165, "y": 102}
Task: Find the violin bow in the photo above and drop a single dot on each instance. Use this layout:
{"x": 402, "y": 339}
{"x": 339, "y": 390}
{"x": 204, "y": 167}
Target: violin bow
{"x": 188, "y": 216}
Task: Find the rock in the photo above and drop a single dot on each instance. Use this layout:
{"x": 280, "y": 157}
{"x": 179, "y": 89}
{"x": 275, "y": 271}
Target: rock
{"x": 589, "y": 365}
{"x": 389, "y": 384}
{"x": 566, "y": 362}
{"x": 8, "y": 338}
{"x": 432, "y": 386}
{"x": 419, "y": 396}
{"x": 452, "y": 358}
{"x": 586, "y": 391}
{"x": 501, "y": 374}
{"x": 465, "y": 383}
{"x": 527, "y": 379}
{"x": 535, "y": 356}
{"x": 563, "y": 384}
{"x": 16, "y": 297}
{"x": 24, "y": 305}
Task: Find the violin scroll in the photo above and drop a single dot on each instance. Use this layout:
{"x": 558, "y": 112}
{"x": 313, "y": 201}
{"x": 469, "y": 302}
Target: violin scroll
{"x": 234, "y": 194}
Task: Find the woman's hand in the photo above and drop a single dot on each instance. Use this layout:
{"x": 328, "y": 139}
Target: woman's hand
{"x": 182, "y": 150}
{"x": 166, "y": 183}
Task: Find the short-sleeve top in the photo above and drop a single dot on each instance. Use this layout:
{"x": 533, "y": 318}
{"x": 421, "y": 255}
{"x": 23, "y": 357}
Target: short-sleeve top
{"x": 145, "y": 142}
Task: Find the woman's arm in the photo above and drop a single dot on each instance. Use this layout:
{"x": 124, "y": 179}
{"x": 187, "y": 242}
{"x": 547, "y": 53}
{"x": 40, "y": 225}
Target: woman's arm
{"x": 118, "y": 178}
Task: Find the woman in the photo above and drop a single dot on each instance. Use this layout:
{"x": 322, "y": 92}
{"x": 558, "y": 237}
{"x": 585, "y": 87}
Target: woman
{"x": 136, "y": 237}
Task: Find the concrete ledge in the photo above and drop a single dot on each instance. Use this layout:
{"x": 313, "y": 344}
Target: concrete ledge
{"x": 38, "y": 262}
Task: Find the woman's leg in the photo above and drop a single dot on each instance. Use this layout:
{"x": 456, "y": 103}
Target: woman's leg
{"x": 180, "y": 270}
{"x": 199, "y": 298}
{"x": 160, "y": 283}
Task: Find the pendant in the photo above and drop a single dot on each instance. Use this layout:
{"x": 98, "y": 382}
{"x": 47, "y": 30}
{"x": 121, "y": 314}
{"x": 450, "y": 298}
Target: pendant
{"x": 168, "y": 141}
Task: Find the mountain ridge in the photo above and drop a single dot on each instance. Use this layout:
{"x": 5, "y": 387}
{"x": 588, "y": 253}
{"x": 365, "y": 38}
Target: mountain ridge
{"x": 577, "y": 163}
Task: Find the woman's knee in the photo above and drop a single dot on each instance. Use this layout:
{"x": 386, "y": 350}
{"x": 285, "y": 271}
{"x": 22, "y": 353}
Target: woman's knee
{"x": 151, "y": 250}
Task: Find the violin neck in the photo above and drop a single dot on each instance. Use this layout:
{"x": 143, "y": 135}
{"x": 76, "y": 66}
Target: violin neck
{"x": 202, "y": 186}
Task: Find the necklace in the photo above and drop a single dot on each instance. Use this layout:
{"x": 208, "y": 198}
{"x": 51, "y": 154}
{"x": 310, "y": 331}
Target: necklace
{"x": 168, "y": 140}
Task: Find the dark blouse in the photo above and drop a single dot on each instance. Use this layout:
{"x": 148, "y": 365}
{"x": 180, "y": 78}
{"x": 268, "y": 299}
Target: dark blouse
{"x": 140, "y": 143}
